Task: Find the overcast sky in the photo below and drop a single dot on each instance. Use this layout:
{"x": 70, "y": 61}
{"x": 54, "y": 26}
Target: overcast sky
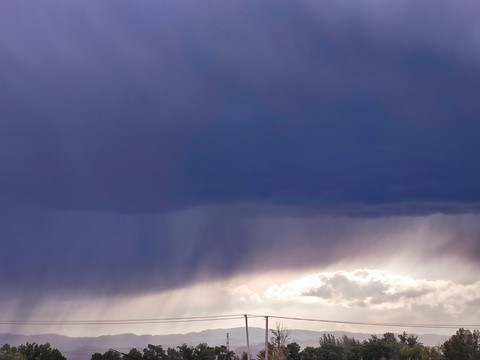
{"x": 296, "y": 158}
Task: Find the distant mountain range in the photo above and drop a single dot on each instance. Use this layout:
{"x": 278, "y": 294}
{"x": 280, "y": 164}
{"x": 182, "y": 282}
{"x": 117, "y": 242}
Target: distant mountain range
{"x": 82, "y": 348}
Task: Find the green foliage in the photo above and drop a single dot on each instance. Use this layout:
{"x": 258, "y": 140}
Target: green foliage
{"x": 30, "y": 351}
{"x": 464, "y": 345}
{"x": 204, "y": 352}
{"x": 389, "y": 337}
{"x": 309, "y": 353}
{"x": 293, "y": 351}
{"x": 133, "y": 354}
{"x": 173, "y": 354}
{"x": 97, "y": 356}
{"x": 108, "y": 355}
{"x": 154, "y": 352}
{"x": 409, "y": 339}
{"x": 111, "y": 355}
{"x": 186, "y": 352}
{"x": 387, "y": 347}
{"x": 222, "y": 353}
{"x": 432, "y": 353}
{"x": 352, "y": 349}
{"x": 8, "y": 352}
{"x": 330, "y": 348}
{"x": 35, "y": 351}
{"x": 14, "y": 356}
{"x": 6, "y": 349}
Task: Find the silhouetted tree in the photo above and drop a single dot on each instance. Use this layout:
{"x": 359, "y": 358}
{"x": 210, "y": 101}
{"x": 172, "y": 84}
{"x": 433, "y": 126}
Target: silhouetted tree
{"x": 293, "y": 351}
{"x": 387, "y": 347}
{"x": 134, "y": 353}
{"x": 8, "y": 352}
{"x": 35, "y": 351}
{"x": 204, "y": 352}
{"x": 111, "y": 355}
{"x": 97, "y": 356}
{"x": 154, "y": 352}
{"x": 186, "y": 352}
{"x": 330, "y": 348}
{"x": 173, "y": 354}
{"x": 432, "y": 353}
{"x": 222, "y": 353}
{"x": 464, "y": 345}
{"x": 309, "y": 353}
{"x": 352, "y": 348}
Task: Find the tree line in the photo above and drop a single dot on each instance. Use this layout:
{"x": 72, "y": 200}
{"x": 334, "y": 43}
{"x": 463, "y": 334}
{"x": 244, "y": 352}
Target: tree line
{"x": 30, "y": 351}
{"x": 183, "y": 352}
{"x": 463, "y": 345}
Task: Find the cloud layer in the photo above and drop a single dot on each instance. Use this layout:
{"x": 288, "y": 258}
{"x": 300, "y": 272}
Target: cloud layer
{"x": 148, "y": 146}
{"x": 136, "y": 108}
{"x": 51, "y": 252}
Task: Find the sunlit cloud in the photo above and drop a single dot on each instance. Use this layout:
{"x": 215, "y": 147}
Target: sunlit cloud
{"x": 378, "y": 290}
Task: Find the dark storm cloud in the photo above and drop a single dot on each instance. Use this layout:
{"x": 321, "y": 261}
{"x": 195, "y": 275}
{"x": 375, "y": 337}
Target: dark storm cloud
{"x": 144, "y": 107}
{"x": 59, "y": 253}
{"x": 116, "y": 114}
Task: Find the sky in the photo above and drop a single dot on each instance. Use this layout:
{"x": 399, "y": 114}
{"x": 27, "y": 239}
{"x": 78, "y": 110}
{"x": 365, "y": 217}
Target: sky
{"x": 313, "y": 159}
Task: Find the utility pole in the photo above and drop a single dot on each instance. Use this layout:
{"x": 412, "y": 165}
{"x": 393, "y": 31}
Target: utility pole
{"x": 248, "y": 341}
{"x": 228, "y": 343}
{"x": 266, "y": 337}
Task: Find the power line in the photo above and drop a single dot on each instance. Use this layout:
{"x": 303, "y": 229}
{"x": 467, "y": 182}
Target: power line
{"x": 124, "y": 321}
{"x": 93, "y": 322}
{"x": 365, "y": 323}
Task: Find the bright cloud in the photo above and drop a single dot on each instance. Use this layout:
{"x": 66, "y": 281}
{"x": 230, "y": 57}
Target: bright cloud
{"x": 376, "y": 289}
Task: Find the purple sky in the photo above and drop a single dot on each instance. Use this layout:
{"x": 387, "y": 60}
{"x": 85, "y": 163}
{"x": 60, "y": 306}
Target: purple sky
{"x": 151, "y": 148}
